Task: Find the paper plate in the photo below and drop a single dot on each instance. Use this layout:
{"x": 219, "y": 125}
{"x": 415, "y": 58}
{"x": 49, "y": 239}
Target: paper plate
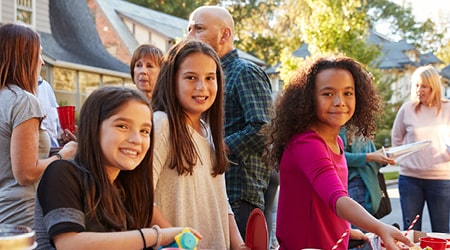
{"x": 401, "y": 152}
{"x": 256, "y": 235}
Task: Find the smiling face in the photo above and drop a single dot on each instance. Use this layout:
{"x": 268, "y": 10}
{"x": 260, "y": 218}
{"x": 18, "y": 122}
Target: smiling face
{"x": 146, "y": 72}
{"x": 334, "y": 97}
{"x": 125, "y": 137}
{"x": 196, "y": 84}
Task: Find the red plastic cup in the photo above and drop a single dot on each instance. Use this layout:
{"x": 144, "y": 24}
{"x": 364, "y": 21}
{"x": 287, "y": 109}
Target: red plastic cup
{"x": 435, "y": 243}
{"x": 67, "y": 117}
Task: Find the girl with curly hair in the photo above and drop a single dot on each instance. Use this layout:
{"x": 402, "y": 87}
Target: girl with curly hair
{"x": 314, "y": 209}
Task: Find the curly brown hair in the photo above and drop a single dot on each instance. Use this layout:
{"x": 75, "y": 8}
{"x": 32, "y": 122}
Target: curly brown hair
{"x": 294, "y": 109}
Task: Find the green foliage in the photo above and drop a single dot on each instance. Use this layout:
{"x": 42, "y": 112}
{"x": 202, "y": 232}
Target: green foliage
{"x": 272, "y": 29}
{"x": 391, "y": 175}
{"x": 444, "y": 53}
{"x": 290, "y": 65}
{"x": 342, "y": 27}
{"x": 259, "y": 40}
{"x": 63, "y": 103}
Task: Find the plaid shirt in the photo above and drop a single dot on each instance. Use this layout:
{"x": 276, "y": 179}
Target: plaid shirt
{"x": 247, "y": 102}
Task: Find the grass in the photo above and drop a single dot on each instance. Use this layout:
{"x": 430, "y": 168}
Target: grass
{"x": 391, "y": 175}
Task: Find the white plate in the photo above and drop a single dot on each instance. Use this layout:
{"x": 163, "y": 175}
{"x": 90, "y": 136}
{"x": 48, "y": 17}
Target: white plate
{"x": 400, "y": 152}
{"x": 439, "y": 235}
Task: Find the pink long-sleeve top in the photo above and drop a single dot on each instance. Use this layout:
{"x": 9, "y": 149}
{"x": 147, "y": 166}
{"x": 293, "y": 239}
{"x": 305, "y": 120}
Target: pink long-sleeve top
{"x": 312, "y": 179}
{"x": 432, "y": 162}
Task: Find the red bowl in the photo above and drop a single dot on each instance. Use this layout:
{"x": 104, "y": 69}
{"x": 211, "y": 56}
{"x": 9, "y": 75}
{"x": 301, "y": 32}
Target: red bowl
{"x": 435, "y": 243}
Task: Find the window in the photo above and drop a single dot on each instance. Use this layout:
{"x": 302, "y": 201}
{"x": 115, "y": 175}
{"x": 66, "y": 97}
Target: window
{"x": 25, "y": 11}
{"x": 65, "y": 86}
{"x": 111, "y": 80}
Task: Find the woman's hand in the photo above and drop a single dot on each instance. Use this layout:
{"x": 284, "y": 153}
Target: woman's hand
{"x": 69, "y": 150}
{"x": 66, "y": 136}
{"x": 379, "y": 157}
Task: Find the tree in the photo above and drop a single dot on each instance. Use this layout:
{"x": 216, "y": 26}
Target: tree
{"x": 444, "y": 53}
{"x": 338, "y": 27}
{"x": 254, "y": 28}
{"x": 427, "y": 36}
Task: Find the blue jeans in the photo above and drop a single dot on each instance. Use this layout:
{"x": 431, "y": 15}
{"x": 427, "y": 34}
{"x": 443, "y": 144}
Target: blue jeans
{"x": 358, "y": 192}
{"x": 242, "y": 210}
{"x": 415, "y": 192}
{"x": 270, "y": 203}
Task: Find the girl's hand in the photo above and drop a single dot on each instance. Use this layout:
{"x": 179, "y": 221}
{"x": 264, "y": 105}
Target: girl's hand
{"x": 358, "y": 235}
{"x": 243, "y": 247}
{"x": 391, "y": 236}
{"x": 358, "y": 238}
{"x": 168, "y": 234}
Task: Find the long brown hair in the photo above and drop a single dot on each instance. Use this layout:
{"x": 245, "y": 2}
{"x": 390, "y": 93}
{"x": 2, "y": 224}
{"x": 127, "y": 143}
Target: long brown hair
{"x": 20, "y": 48}
{"x": 165, "y": 99}
{"x": 132, "y": 206}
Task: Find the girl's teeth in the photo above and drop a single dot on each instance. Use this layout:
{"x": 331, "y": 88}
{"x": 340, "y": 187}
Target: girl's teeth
{"x": 131, "y": 152}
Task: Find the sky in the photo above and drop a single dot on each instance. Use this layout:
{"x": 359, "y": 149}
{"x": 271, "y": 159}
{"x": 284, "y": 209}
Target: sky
{"x": 423, "y": 9}
{"x": 437, "y": 10}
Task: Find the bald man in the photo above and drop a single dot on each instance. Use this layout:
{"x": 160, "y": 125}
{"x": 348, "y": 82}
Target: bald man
{"x": 247, "y": 101}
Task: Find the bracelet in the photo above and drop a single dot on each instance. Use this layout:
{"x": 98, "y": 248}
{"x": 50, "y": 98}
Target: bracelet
{"x": 158, "y": 236}
{"x": 58, "y": 155}
{"x": 143, "y": 238}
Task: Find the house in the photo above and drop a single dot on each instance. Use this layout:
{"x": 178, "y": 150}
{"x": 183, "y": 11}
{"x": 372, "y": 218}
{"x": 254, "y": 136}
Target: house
{"x": 445, "y": 74}
{"x": 122, "y": 26}
{"x": 89, "y": 43}
{"x": 398, "y": 60}
{"x": 75, "y": 60}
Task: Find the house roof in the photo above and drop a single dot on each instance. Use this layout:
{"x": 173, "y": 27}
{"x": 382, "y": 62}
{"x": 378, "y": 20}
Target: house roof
{"x": 393, "y": 53}
{"x": 171, "y": 27}
{"x": 303, "y": 51}
{"x": 445, "y": 72}
{"x": 429, "y": 58}
{"x": 74, "y": 38}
